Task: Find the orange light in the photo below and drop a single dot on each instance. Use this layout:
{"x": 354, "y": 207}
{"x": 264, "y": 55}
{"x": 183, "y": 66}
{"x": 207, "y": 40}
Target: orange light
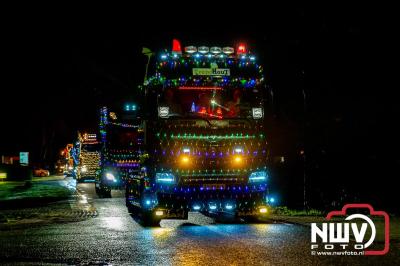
{"x": 238, "y": 159}
{"x": 185, "y": 159}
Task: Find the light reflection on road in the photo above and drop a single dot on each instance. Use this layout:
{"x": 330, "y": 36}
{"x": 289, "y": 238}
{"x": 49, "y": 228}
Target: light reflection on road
{"x": 113, "y": 223}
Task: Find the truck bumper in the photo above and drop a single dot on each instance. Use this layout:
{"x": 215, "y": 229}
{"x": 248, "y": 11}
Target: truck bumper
{"x": 236, "y": 203}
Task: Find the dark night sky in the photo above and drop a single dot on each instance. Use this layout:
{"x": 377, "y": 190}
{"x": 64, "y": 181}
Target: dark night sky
{"x": 59, "y": 74}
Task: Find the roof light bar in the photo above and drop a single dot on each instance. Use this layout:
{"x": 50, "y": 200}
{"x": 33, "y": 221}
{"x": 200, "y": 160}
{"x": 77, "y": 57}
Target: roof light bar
{"x": 203, "y": 49}
{"x": 215, "y": 50}
{"x": 228, "y": 50}
{"x": 190, "y": 49}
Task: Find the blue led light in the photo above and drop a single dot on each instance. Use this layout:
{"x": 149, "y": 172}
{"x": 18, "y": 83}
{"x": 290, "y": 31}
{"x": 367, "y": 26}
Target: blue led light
{"x": 258, "y": 176}
{"x": 148, "y": 202}
{"x": 272, "y": 200}
{"x": 164, "y": 56}
{"x": 252, "y": 58}
{"x": 228, "y": 207}
{"x": 213, "y": 207}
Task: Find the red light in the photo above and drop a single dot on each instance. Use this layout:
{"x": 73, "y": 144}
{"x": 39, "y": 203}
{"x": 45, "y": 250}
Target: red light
{"x": 219, "y": 111}
{"x": 203, "y": 110}
{"x": 241, "y": 49}
{"x": 176, "y": 46}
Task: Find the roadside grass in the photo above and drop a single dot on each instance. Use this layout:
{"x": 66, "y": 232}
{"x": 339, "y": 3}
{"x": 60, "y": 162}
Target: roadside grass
{"x": 10, "y": 191}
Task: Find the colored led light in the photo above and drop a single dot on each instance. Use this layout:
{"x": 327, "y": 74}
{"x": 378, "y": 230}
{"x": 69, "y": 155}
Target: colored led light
{"x": 272, "y": 200}
{"x": 238, "y": 159}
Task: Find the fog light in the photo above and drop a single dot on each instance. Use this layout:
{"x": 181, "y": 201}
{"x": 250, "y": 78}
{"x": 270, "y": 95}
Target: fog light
{"x": 196, "y": 207}
{"x": 228, "y": 207}
{"x": 212, "y": 206}
{"x": 159, "y": 213}
{"x": 263, "y": 210}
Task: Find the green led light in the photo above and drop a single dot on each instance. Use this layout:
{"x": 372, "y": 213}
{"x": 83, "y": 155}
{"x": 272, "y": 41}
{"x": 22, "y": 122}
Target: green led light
{"x": 212, "y": 137}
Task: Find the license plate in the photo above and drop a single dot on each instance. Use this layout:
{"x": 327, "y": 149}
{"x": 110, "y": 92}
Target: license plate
{"x": 217, "y": 186}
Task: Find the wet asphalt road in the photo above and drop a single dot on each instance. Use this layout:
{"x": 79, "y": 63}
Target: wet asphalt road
{"x": 115, "y": 238}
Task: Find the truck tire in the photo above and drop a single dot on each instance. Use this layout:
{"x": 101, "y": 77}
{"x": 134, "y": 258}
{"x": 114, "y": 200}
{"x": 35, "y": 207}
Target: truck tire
{"x": 149, "y": 220}
{"x": 103, "y": 192}
{"x": 131, "y": 209}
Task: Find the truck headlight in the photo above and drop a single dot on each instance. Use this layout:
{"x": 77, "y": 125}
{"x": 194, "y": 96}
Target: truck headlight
{"x": 165, "y": 178}
{"x": 110, "y": 177}
{"x": 259, "y": 176}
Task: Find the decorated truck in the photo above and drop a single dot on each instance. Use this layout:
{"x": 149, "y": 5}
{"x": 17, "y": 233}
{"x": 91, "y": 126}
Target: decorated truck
{"x": 87, "y": 157}
{"x": 121, "y": 148}
{"x": 205, "y": 142}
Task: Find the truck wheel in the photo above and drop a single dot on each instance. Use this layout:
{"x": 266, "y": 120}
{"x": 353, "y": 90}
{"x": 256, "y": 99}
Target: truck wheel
{"x": 103, "y": 192}
{"x": 149, "y": 220}
{"x": 107, "y": 193}
{"x": 131, "y": 209}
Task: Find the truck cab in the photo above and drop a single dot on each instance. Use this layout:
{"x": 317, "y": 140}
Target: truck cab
{"x": 205, "y": 137}
{"x": 122, "y": 140}
{"x": 88, "y": 157}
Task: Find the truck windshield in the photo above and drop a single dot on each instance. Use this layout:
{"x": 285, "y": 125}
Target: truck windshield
{"x": 210, "y": 102}
{"x": 123, "y": 137}
{"x": 93, "y": 147}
